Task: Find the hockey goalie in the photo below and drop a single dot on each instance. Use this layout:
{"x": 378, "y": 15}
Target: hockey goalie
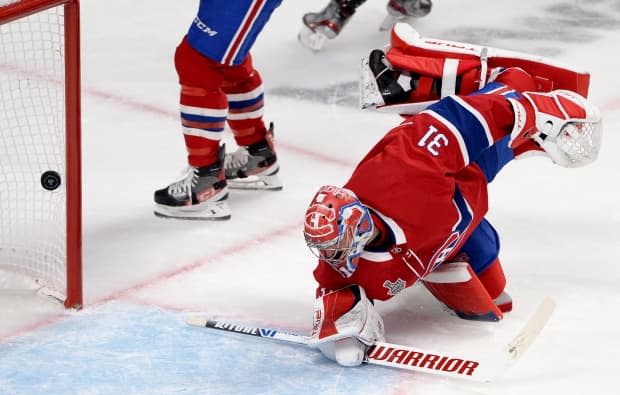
{"x": 413, "y": 210}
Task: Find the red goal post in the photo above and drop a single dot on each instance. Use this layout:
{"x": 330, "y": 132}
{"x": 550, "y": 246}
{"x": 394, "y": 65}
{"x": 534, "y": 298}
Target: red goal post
{"x": 64, "y": 182}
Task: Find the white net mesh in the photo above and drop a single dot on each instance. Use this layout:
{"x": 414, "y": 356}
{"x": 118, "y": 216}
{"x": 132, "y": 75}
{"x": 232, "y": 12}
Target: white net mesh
{"x": 32, "y": 142}
{"x": 580, "y": 141}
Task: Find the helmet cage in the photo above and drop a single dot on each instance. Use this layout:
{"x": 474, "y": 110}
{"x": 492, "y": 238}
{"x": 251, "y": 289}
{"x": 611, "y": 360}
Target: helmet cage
{"x": 580, "y": 141}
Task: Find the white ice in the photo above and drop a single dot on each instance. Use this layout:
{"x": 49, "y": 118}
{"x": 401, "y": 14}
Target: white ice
{"x": 559, "y": 227}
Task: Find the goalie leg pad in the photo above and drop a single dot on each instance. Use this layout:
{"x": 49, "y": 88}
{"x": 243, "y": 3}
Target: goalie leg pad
{"x": 457, "y": 286}
{"x": 463, "y": 68}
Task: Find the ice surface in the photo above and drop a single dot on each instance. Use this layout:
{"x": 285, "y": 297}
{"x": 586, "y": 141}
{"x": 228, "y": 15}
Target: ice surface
{"x": 559, "y": 227}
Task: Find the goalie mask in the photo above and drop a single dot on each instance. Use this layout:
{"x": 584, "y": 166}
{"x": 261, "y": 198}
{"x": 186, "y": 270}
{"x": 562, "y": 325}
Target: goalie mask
{"x": 569, "y": 127}
{"x": 337, "y": 226}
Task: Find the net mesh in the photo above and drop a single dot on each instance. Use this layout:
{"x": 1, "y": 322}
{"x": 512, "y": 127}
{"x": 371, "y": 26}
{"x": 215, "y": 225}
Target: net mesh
{"x": 32, "y": 142}
{"x": 580, "y": 141}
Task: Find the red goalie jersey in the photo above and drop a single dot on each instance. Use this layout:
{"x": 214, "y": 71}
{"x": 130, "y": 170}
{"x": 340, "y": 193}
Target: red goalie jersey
{"x": 425, "y": 183}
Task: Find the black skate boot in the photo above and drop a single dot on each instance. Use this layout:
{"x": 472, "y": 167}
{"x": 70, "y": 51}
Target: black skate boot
{"x": 200, "y": 194}
{"x": 326, "y": 24}
{"x": 380, "y": 83}
{"x": 255, "y": 166}
{"x": 400, "y": 10}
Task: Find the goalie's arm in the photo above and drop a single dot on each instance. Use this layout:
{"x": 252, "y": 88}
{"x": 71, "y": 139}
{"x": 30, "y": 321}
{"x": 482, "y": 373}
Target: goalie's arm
{"x": 345, "y": 324}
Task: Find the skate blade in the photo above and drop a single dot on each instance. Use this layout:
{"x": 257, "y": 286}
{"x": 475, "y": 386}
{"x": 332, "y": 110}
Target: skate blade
{"x": 256, "y": 183}
{"x": 370, "y": 97}
{"x": 313, "y": 40}
{"x": 213, "y": 211}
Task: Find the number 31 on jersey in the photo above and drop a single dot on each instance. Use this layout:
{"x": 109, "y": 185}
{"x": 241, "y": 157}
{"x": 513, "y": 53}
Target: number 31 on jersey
{"x": 433, "y": 140}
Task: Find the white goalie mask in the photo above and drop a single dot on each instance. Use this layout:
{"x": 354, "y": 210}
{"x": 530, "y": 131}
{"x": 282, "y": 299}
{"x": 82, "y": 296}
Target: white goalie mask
{"x": 569, "y": 127}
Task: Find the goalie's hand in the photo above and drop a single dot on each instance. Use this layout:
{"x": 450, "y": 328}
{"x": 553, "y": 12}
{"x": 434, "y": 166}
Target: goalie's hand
{"x": 564, "y": 124}
{"x": 346, "y": 323}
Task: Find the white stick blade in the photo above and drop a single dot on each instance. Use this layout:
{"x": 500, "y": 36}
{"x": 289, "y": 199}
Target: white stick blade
{"x": 517, "y": 347}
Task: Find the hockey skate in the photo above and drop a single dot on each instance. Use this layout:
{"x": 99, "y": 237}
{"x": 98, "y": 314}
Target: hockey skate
{"x": 401, "y": 10}
{"x": 254, "y": 167}
{"x": 379, "y": 82}
{"x": 326, "y": 24}
{"x": 200, "y": 194}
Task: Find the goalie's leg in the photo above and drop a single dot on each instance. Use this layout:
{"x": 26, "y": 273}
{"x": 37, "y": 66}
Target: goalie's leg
{"x": 456, "y": 285}
{"x": 380, "y": 84}
{"x": 473, "y": 285}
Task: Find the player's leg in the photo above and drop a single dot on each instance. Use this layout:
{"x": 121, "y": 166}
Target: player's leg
{"x": 327, "y": 23}
{"x": 472, "y": 285}
{"x": 201, "y": 192}
{"x": 254, "y": 165}
{"x": 399, "y": 10}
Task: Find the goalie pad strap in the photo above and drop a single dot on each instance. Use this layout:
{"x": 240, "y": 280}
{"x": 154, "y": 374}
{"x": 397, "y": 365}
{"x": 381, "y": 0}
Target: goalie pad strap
{"x": 448, "y": 80}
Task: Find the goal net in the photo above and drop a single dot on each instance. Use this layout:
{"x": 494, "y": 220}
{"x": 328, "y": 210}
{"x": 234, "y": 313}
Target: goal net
{"x": 40, "y": 199}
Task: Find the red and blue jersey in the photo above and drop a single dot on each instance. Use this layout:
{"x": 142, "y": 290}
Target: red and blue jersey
{"x": 426, "y": 182}
{"x": 225, "y": 30}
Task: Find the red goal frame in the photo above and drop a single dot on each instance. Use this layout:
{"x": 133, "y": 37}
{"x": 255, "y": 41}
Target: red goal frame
{"x": 24, "y": 8}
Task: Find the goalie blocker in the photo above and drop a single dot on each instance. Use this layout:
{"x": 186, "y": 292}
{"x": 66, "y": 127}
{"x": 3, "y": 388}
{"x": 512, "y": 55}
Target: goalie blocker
{"x": 416, "y": 71}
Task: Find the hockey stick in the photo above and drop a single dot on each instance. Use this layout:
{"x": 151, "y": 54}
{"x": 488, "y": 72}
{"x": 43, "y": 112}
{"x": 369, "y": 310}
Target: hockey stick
{"x": 269, "y": 333}
{"x": 483, "y": 368}
{"x": 517, "y": 347}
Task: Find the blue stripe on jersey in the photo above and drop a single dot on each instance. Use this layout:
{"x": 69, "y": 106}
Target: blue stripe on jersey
{"x": 493, "y": 86}
{"x": 513, "y": 95}
{"x": 245, "y": 103}
{"x": 464, "y": 211}
{"x": 214, "y": 30}
{"x": 466, "y": 123}
{"x": 488, "y": 88}
{"x": 492, "y": 160}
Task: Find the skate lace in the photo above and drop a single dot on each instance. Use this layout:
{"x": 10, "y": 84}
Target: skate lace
{"x": 237, "y": 159}
{"x": 186, "y": 182}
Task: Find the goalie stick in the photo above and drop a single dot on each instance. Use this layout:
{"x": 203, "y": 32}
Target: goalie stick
{"x": 484, "y": 368}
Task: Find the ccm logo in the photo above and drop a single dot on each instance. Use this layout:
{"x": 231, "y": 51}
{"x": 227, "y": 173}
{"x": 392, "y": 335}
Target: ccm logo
{"x": 203, "y": 27}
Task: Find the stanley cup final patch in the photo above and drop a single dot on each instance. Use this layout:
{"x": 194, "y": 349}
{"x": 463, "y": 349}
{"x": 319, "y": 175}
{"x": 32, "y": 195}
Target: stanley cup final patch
{"x": 394, "y": 287}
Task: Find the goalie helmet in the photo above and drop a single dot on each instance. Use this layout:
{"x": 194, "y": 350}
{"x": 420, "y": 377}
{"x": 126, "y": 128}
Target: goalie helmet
{"x": 569, "y": 127}
{"x": 337, "y": 226}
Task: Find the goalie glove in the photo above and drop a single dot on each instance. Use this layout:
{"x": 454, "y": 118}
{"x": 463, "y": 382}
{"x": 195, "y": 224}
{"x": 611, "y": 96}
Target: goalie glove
{"x": 345, "y": 324}
{"x": 563, "y": 123}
